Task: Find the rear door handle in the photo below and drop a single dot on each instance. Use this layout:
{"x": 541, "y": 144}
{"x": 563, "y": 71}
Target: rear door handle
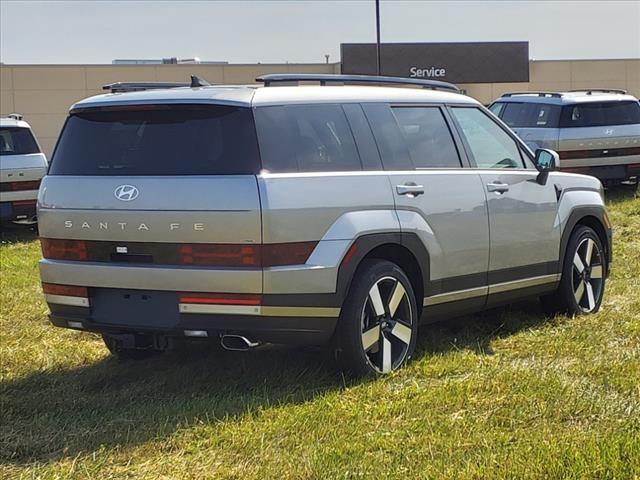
{"x": 410, "y": 189}
{"x": 497, "y": 187}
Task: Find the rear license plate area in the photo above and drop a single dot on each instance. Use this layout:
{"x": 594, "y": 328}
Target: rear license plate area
{"x": 610, "y": 172}
{"x": 134, "y": 308}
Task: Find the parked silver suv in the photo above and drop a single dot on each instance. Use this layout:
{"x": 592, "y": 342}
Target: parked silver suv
{"x": 22, "y": 166}
{"x": 595, "y": 132}
{"x": 311, "y": 214}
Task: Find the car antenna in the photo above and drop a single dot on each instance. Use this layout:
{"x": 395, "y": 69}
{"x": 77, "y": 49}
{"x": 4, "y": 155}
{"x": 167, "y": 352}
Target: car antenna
{"x": 198, "y": 82}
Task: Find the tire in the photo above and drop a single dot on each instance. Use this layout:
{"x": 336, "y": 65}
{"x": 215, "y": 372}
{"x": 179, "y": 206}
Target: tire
{"x": 115, "y": 348}
{"x": 583, "y": 279}
{"x": 378, "y": 324}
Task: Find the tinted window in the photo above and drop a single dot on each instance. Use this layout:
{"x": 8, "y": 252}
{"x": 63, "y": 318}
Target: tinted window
{"x": 530, "y": 115}
{"x": 490, "y": 145}
{"x": 428, "y": 137}
{"x": 391, "y": 145}
{"x": 365, "y": 142}
{"x": 306, "y": 138}
{"x": 599, "y": 114}
{"x": 17, "y": 141}
{"x": 172, "y": 140}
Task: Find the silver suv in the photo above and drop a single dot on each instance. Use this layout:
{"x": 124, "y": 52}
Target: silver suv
{"x": 595, "y": 132}
{"x": 343, "y": 215}
{"x": 22, "y": 166}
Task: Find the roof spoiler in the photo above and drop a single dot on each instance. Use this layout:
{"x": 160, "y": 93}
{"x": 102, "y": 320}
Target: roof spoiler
{"x": 323, "y": 79}
{"x": 121, "y": 87}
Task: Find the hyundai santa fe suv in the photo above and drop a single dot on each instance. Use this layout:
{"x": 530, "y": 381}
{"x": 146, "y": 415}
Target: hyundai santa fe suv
{"x": 293, "y": 213}
{"x": 22, "y": 166}
{"x": 595, "y": 132}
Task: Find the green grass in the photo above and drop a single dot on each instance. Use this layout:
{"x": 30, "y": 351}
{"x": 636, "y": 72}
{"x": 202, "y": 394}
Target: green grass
{"x": 505, "y": 394}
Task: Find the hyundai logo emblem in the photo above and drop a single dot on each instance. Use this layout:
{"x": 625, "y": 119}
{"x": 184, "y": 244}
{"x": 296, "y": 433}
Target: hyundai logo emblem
{"x": 608, "y": 131}
{"x": 126, "y": 193}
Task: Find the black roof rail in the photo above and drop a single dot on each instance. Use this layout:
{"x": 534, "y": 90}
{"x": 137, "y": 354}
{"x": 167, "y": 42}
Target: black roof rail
{"x": 589, "y": 91}
{"x": 323, "y": 78}
{"x": 539, "y": 94}
{"x": 120, "y": 87}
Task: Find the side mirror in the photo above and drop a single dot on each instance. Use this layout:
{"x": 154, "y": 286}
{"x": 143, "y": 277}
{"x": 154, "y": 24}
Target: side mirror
{"x": 546, "y": 161}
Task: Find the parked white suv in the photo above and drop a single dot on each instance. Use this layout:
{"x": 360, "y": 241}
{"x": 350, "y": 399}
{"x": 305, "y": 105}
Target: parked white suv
{"x": 22, "y": 166}
{"x": 595, "y": 132}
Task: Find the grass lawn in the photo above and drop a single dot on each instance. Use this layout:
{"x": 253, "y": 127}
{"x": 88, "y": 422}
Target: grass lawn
{"x": 505, "y": 394}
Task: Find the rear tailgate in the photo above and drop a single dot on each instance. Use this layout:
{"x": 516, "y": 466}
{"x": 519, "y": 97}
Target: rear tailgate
{"x": 600, "y": 133}
{"x": 599, "y": 146}
{"x": 159, "y": 198}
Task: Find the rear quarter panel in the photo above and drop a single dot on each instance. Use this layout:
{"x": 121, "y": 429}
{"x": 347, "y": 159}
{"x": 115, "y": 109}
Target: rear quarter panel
{"x": 333, "y": 209}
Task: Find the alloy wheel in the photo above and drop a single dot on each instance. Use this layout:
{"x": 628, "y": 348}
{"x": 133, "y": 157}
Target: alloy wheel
{"x": 587, "y": 275}
{"x": 386, "y": 323}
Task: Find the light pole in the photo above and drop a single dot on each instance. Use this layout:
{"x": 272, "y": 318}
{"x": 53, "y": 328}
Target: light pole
{"x": 378, "y": 37}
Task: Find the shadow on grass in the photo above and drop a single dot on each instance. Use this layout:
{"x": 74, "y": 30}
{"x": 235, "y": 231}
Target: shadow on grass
{"x": 621, "y": 194}
{"x": 17, "y": 234}
{"x": 55, "y": 414}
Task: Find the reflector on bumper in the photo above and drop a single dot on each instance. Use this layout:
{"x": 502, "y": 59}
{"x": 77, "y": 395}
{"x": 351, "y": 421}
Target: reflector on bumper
{"x": 66, "y": 294}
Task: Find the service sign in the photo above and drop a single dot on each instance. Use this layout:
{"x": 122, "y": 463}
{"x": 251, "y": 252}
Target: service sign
{"x": 474, "y": 62}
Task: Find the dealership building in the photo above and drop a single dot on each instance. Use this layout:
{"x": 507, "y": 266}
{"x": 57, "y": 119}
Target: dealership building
{"x": 44, "y": 93}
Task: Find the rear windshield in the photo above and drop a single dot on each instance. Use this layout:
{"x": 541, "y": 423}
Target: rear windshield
{"x": 598, "y": 114}
{"x": 17, "y": 141}
{"x": 165, "y": 140}
{"x": 527, "y": 115}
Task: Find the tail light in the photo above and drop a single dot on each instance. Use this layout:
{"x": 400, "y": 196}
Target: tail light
{"x": 20, "y": 186}
{"x": 24, "y": 203}
{"x": 221, "y": 298}
{"x": 231, "y": 255}
{"x": 222, "y": 255}
{"x": 65, "y": 290}
{"x": 64, "y": 249}
{"x": 584, "y": 170}
{"x": 193, "y": 254}
{"x": 278, "y": 254}
{"x": 569, "y": 154}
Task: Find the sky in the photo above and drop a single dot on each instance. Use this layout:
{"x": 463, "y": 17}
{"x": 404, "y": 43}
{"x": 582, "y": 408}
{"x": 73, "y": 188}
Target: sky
{"x": 265, "y": 31}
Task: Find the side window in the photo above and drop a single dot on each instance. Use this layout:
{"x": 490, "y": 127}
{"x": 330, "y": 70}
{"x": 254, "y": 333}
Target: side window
{"x": 306, "y": 138}
{"x": 391, "y": 145}
{"x": 490, "y": 145}
{"x": 365, "y": 142}
{"x": 497, "y": 108}
{"x": 428, "y": 137}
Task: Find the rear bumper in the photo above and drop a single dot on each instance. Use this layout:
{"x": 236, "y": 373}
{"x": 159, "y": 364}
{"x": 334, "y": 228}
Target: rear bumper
{"x": 20, "y": 212}
{"x": 105, "y": 312}
{"x": 613, "y": 172}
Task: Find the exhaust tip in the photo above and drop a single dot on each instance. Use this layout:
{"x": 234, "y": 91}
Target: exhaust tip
{"x": 237, "y": 343}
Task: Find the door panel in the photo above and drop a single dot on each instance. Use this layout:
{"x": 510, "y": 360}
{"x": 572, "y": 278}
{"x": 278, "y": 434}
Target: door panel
{"x": 453, "y": 206}
{"x": 522, "y": 219}
{"x": 522, "y": 213}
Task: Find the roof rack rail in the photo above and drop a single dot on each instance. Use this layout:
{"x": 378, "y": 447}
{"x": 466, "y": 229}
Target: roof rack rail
{"x": 323, "y": 78}
{"x": 121, "y": 87}
{"x": 15, "y": 116}
{"x": 589, "y": 91}
{"x": 539, "y": 94}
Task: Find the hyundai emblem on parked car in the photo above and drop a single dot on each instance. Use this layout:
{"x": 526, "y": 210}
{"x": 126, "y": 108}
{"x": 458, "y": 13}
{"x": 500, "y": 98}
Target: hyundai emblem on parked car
{"x": 126, "y": 193}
